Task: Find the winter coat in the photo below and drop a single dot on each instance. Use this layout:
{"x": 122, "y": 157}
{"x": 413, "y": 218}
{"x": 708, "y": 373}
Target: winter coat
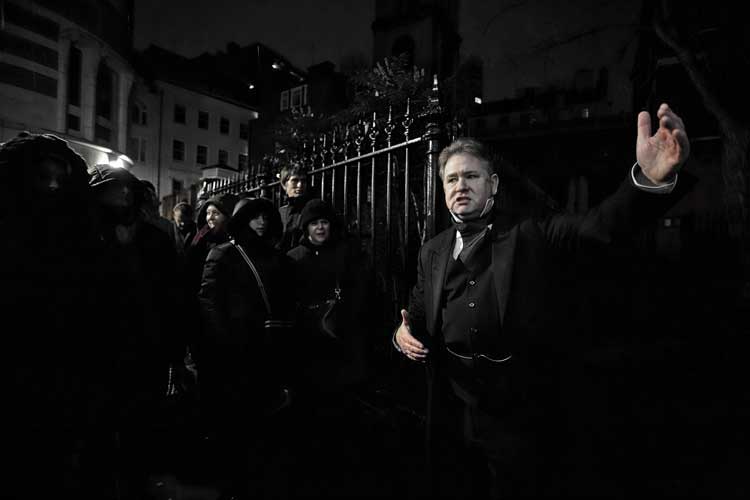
{"x": 239, "y": 364}
{"x": 318, "y": 270}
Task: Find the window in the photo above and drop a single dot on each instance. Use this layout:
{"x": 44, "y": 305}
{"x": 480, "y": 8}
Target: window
{"x": 26, "y": 49}
{"x": 74, "y": 122}
{"x": 284, "y": 101}
{"x": 203, "y": 120}
{"x": 298, "y": 96}
{"x": 224, "y": 126}
{"x": 30, "y": 21}
{"x": 104, "y": 92}
{"x": 137, "y": 149}
{"x": 74, "y": 76}
{"x": 177, "y": 186}
{"x": 178, "y": 150}
{"x": 242, "y": 162}
{"x": 138, "y": 115}
{"x": 27, "y": 79}
{"x": 102, "y": 133}
{"x": 244, "y": 131}
{"x": 201, "y": 155}
{"x": 223, "y": 157}
{"x": 179, "y": 113}
{"x": 142, "y": 150}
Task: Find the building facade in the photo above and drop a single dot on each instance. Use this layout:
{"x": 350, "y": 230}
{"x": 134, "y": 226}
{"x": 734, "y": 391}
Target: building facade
{"x": 185, "y": 129}
{"x": 65, "y": 69}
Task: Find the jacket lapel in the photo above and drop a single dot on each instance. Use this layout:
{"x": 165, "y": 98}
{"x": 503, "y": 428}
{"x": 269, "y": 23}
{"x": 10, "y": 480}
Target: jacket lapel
{"x": 438, "y": 265}
{"x": 503, "y": 252}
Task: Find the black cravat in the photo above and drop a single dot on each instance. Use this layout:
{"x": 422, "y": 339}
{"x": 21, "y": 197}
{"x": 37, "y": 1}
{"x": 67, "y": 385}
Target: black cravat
{"x": 472, "y": 234}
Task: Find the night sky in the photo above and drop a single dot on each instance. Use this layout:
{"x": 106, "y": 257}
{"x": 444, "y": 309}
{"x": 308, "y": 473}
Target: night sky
{"x": 306, "y": 32}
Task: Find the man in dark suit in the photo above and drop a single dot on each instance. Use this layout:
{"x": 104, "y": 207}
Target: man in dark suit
{"x": 479, "y": 315}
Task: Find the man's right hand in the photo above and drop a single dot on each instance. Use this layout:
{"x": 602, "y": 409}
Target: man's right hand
{"x": 410, "y": 346}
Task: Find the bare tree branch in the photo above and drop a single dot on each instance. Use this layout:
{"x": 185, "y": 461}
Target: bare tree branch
{"x": 666, "y": 30}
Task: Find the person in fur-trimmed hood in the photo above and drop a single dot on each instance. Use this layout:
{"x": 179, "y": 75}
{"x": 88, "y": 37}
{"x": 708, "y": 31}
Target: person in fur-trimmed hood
{"x": 239, "y": 362}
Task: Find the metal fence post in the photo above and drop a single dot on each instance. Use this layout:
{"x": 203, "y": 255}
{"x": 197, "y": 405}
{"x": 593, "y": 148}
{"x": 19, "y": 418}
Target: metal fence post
{"x": 431, "y": 136}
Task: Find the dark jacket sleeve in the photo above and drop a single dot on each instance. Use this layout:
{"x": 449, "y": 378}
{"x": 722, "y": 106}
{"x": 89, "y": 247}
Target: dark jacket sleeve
{"x": 212, "y": 296}
{"x": 614, "y": 220}
{"x": 417, "y": 321}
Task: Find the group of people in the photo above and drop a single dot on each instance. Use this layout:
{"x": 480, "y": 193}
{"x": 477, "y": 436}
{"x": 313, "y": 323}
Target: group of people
{"x": 122, "y": 308}
{"x": 269, "y": 305}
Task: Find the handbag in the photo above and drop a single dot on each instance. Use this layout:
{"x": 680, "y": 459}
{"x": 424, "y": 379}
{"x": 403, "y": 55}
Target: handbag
{"x": 324, "y": 315}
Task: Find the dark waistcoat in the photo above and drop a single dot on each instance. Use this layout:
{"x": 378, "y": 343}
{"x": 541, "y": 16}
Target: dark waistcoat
{"x": 476, "y": 352}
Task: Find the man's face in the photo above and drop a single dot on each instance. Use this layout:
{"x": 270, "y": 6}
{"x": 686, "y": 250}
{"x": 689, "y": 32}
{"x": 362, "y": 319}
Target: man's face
{"x": 295, "y": 186}
{"x": 180, "y": 218}
{"x": 468, "y": 185}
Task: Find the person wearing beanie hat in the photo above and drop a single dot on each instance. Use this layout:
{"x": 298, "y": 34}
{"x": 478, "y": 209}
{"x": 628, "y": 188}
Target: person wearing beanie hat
{"x": 213, "y": 218}
{"x": 241, "y": 380}
{"x": 326, "y": 267}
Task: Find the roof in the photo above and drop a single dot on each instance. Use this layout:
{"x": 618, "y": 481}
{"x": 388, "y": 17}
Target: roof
{"x": 157, "y": 63}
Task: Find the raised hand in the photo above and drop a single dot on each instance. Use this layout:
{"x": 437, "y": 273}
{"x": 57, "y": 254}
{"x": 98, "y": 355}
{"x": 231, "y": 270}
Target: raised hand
{"x": 410, "y": 346}
{"x": 661, "y": 155}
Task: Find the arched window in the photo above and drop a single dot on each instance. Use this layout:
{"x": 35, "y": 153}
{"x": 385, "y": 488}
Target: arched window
{"x": 74, "y": 76}
{"x": 104, "y": 92}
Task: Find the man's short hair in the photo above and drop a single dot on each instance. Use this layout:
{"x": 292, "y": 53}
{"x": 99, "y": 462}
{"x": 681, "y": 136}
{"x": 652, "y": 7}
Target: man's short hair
{"x": 468, "y": 146}
{"x": 292, "y": 169}
{"x": 184, "y": 208}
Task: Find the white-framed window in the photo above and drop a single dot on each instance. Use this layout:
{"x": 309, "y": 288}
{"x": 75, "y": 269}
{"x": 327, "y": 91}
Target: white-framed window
{"x": 201, "y": 155}
{"x": 242, "y": 162}
{"x": 298, "y": 96}
{"x": 223, "y": 157}
{"x": 203, "y": 120}
{"x": 178, "y": 150}
{"x": 138, "y": 115}
{"x": 179, "y": 113}
{"x": 284, "y": 104}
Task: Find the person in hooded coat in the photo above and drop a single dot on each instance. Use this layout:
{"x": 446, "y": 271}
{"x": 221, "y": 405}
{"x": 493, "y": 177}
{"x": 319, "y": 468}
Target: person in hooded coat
{"x": 145, "y": 324}
{"x": 239, "y": 364}
{"x": 332, "y": 365}
{"x": 49, "y": 284}
{"x": 213, "y": 218}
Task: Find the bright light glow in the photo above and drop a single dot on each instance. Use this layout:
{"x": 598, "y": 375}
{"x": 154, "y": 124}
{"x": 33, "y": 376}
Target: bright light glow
{"x": 102, "y": 159}
{"x": 276, "y": 65}
{"x": 117, "y": 163}
{"x": 250, "y": 86}
{"x": 477, "y": 100}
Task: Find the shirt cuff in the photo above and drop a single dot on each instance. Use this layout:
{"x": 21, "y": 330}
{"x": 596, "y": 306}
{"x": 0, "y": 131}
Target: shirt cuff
{"x": 644, "y": 183}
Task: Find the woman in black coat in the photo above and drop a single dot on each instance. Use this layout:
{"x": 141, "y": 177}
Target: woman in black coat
{"x": 213, "y": 218}
{"x": 239, "y": 365}
{"x": 325, "y": 262}
{"x": 332, "y": 363}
